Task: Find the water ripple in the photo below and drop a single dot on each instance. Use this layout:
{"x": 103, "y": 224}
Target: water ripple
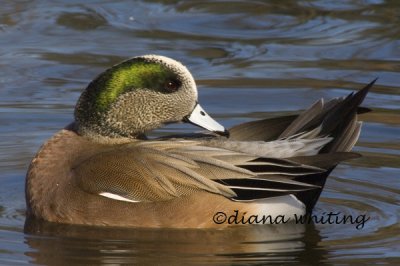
{"x": 252, "y": 59}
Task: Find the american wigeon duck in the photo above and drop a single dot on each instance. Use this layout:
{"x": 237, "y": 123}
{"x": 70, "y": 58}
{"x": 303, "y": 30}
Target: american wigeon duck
{"x": 102, "y": 170}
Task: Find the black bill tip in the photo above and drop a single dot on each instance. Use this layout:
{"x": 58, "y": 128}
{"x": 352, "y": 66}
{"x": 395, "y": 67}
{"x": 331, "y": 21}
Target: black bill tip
{"x": 223, "y": 133}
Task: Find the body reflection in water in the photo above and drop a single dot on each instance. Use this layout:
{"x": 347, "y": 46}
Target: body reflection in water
{"x": 58, "y": 244}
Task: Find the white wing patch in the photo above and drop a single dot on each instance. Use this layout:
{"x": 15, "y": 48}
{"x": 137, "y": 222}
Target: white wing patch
{"x": 116, "y": 197}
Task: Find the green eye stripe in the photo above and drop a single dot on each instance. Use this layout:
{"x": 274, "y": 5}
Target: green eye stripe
{"x": 126, "y": 77}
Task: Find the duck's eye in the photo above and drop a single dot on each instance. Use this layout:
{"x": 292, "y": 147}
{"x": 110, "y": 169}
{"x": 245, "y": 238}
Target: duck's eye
{"x": 172, "y": 85}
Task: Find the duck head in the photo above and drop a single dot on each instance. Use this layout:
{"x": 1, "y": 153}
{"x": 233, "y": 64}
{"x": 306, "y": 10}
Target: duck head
{"x": 139, "y": 95}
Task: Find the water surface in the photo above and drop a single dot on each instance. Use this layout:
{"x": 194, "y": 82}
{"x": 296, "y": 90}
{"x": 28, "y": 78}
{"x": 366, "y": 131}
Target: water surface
{"x": 251, "y": 59}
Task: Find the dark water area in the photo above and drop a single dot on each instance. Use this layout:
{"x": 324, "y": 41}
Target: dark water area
{"x": 251, "y": 59}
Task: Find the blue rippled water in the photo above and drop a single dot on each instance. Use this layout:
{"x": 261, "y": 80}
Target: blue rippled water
{"x": 251, "y": 59}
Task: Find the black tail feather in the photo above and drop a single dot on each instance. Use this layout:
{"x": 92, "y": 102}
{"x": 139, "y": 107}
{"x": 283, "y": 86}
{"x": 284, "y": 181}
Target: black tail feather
{"x": 336, "y": 118}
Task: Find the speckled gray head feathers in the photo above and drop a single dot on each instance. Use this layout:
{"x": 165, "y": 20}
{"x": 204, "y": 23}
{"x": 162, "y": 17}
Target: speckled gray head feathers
{"x": 136, "y": 96}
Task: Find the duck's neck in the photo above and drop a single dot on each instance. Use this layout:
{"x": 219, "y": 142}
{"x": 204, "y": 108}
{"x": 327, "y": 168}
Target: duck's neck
{"x": 100, "y": 138}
